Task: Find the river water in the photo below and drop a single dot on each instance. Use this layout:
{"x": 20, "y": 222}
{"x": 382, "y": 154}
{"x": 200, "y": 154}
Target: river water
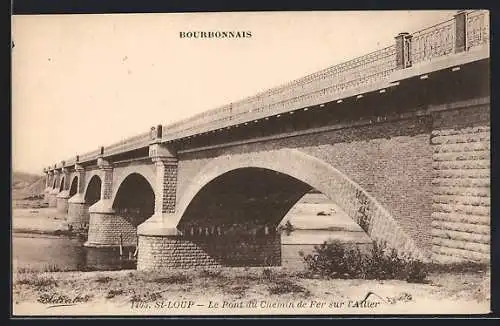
{"x": 49, "y": 252}
{"x": 53, "y": 253}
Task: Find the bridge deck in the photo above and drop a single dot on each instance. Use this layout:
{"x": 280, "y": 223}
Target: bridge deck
{"x": 428, "y": 50}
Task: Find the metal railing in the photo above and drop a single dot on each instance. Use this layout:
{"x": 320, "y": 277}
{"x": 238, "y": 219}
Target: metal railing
{"x": 322, "y": 86}
{"x": 89, "y": 156}
{"x": 128, "y": 144}
{"x": 326, "y": 85}
{"x": 313, "y": 89}
{"x": 477, "y": 28}
{"x": 432, "y": 42}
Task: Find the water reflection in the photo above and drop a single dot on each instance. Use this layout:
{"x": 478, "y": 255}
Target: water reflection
{"x": 47, "y": 252}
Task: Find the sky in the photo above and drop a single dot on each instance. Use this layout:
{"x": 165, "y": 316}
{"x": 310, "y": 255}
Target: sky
{"x": 84, "y": 81}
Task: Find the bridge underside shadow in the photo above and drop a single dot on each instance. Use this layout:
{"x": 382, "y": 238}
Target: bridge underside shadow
{"x": 234, "y": 218}
{"x": 117, "y": 225}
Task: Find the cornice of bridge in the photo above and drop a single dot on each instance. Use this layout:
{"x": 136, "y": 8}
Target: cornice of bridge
{"x": 424, "y": 51}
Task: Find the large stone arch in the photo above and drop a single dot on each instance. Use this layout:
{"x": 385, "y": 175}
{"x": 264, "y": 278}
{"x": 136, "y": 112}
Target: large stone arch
{"x": 349, "y": 196}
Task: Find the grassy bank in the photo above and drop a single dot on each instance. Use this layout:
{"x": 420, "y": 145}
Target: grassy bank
{"x": 231, "y": 291}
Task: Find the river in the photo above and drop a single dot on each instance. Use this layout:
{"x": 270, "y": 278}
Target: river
{"x": 49, "y": 252}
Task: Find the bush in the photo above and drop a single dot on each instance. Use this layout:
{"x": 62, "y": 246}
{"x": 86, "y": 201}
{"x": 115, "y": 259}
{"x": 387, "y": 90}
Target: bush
{"x": 287, "y": 286}
{"x": 334, "y": 260}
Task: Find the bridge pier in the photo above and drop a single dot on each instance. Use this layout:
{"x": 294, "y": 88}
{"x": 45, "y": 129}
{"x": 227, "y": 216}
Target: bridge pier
{"x": 48, "y": 178}
{"x": 62, "y": 201}
{"x": 78, "y": 211}
{"x": 106, "y": 229}
{"x": 164, "y": 247}
{"x": 54, "y": 190}
{"x": 46, "y": 194}
{"x": 52, "y": 197}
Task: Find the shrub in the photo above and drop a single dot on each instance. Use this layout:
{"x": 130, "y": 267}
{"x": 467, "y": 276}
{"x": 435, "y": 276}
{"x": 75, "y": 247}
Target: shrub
{"x": 286, "y": 286}
{"x": 334, "y": 260}
{"x": 267, "y": 274}
{"x": 211, "y": 273}
{"x": 113, "y": 293}
{"x": 52, "y": 268}
{"x": 173, "y": 279}
{"x": 38, "y": 281}
{"x": 103, "y": 279}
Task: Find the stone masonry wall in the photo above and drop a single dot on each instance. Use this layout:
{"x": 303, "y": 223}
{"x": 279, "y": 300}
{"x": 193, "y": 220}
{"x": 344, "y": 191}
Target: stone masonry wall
{"x": 78, "y": 215}
{"x": 169, "y": 187}
{"x": 391, "y": 160}
{"x": 161, "y": 253}
{"x": 461, "y": 180}
{"x": 105, "y": 230}
{"x": 62, "y": 205}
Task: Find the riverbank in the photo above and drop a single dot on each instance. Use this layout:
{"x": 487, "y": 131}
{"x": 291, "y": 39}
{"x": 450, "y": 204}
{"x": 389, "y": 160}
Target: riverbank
{"x": 226, "y": 291}
{"x": 42, "y": 221}
{"x": 231, "y": 291}
{"x": 38, "y": 221}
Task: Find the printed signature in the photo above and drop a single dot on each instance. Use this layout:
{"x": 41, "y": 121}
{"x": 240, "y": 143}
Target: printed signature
{"x": 58, "y": 300}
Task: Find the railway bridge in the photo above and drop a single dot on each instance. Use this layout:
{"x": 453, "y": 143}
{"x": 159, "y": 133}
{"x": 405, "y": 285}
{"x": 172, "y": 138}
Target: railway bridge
{"x": 399, "y": 139}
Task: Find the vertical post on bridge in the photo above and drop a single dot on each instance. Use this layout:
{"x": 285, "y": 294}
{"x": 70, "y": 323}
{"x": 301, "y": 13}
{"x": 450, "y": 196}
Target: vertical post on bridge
{"x": 460, "y": 31}
{"x": 403, "y": 50}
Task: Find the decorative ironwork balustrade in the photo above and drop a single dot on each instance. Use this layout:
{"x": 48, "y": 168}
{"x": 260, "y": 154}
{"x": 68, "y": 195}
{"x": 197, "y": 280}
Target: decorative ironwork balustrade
{"x": 466, "y": 33}
{"x": 478, "y": 28}
{"x": 432, "y": 42}
{"x": 313, "y": 89}
{"x": 132, "y": 143}
{"x": 89, "y": 156}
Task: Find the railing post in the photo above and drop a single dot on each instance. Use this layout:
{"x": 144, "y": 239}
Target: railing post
{"x": 403, "y": 49}
{"x": 460, "y": 31}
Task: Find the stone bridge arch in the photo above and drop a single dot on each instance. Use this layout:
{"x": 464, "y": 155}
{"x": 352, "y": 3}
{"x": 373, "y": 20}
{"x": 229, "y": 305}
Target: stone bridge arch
{"x": 134, "y": 192}
{"x": 360, "y": 206}
{"x": 73, "y": 188}
{"x": 61, "y": 183}
{"x": 92, "y": 193}
{"x": 132, "y": 203}
{"x": 121, "y": 173}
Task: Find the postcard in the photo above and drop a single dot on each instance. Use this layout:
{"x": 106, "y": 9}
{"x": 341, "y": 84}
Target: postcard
{"x": 251, "y": 163}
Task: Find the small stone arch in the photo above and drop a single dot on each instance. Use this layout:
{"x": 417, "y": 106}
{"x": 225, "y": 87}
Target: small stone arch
{"x": 134, "y": 198}
{"x": 92, "y": 193}
{"x": 54, "y": 183}
{"x": 61, "y": 184}
{"x": 365, "y": 210}
{"x": 120, "y": 174}
{"x": 73, "y": 189}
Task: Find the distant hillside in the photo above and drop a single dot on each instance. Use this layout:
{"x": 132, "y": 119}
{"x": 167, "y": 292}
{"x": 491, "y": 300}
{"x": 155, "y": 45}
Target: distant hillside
{"x": 26, "y": 185}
